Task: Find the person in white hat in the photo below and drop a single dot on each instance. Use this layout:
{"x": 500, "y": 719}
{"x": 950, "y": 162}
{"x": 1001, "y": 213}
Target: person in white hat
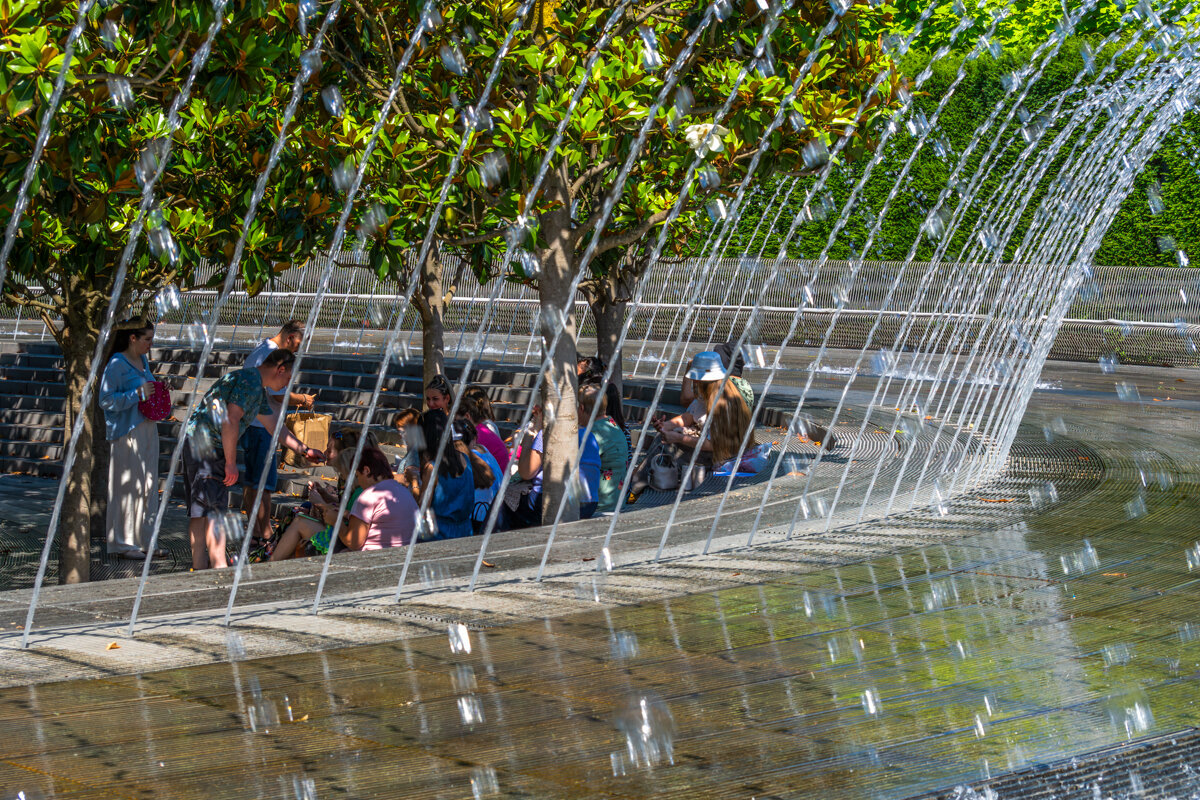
{"x": 679, "y": 437}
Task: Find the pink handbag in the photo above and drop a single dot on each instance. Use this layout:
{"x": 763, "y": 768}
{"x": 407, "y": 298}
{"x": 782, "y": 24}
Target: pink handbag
{"x": 157, "y": 406}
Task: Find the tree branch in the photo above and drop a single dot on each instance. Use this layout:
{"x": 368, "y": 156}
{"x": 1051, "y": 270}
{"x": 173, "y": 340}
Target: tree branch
{"x": 632, "y": 235}
{"x": 590, "y": 173}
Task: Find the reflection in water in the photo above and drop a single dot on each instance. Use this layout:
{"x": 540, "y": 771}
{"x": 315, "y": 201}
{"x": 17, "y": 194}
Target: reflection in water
{"x": 932, "y": 667}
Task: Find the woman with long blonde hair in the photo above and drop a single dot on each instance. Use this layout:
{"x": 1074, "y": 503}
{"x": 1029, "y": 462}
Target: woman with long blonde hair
{"x": 679, "y": 437}
{"x": 730, "y": 416}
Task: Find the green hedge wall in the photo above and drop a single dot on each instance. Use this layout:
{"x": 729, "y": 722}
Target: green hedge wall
{"x": 1136, "y": 237}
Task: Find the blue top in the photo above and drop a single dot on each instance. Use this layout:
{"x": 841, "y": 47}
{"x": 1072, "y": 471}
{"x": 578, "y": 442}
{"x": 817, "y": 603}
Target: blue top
{"x": 589, "y": 467}
{"x": 119, "y": 396}
{"x": 453, "y": 502}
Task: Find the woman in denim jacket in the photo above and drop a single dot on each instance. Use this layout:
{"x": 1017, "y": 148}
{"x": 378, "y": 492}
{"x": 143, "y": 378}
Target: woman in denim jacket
{"x": 133, "y": 467}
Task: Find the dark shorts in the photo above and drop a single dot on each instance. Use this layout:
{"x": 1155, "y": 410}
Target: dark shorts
{"x": 256, "y": 444}
{"x": 204, "y": 489}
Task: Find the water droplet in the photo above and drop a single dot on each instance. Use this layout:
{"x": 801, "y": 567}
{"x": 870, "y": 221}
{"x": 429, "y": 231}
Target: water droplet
{"x": 918, "y": 124}
{"x": 764, "y": 65}
{"x": 682, "y": 106}
{"x": 1043, "y": 495}
{"x": 462, "y": 679}
{"x": 492, "y": 168}
{"x": 1117, "y": 654}
{"x": 310, "y": 64}
{"x": 1154, "y": 199}
{"x": 1193, "y": 557}
{"x": 373, "y": 219}
{"x": 1182, "y": 259}
{"x": 148, "y": 161}
{"x": 217, "y": 412}
{"x": 529, "y": 265}
{"x": 470, "y": 709}
{"x": 649, "y": 730}
{"x": 234, "y": 646}
{"x": 452, "y": 59}
{"x": 484, "y": 782}
{"x": 460, "y": 638}
{"x": 651, "y": 60}
{"x": 167, "y": 299}
{"x": 941, "y": 594}
{"x": 109, "y": 35}
{"x": 1089, "y": 58}
{"x": 162, "y": 244}
{"x": 432, "y": 16}
{"x": 1080, "y": 561}
{"x": 815, "y": 154}
{"x": 590, "y": 590}
{"x": 716, "y": 211}
{"x": 1130, "y": 711}
{"x": 343, "y": 174}
{"x": 709, "y": 178}
{"x": 120, "y": 93}
{"x": 306, "y": 10}
{"x": 1136, "y": 507}
{"x": 981, "y": 727}
{"x": 883, "y": 362}
{"x": 202, "y": 442}
{"x": 870, "y": 703}
{"x": 755, "y": 355}
{"x": 434, "y": 576}
{"x": 722, "y": 9}
{"x": 623, "y": 645}
{"x": 331, "y": 96}
{"x": 1128, "y": 392}
{"x": 1108, "y": 363}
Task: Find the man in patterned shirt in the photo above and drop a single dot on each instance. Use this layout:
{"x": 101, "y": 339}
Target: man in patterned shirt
{"x": 210, "y": 454}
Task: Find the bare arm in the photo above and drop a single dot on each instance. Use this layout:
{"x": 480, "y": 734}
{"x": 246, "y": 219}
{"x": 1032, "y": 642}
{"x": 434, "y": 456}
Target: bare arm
{"x": 354, "y": 536}
{"x": 286, "y": 438}
{"x": 530, "y": 463}
{"x": 229, "y": 441}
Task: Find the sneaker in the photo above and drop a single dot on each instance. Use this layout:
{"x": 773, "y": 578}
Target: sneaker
{"x": 132, "y": 555}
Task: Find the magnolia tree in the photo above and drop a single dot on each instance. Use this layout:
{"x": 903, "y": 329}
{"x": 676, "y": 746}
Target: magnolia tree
{"x": 110, "y": 131}
{"x": 486, "y": 210}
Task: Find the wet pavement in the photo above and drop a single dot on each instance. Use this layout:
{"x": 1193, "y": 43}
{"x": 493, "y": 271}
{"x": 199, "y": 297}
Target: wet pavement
{"x": 1014, "y": 637}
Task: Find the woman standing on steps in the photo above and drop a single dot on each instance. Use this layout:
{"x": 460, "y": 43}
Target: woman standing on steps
{"x": 133, "y": 467}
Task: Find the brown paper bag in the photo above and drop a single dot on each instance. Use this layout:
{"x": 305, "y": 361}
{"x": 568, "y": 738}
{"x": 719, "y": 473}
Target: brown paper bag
{"x": 310, "y": 428}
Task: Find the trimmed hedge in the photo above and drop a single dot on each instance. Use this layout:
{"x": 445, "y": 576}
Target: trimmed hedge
{"x": 1137, "y": 236}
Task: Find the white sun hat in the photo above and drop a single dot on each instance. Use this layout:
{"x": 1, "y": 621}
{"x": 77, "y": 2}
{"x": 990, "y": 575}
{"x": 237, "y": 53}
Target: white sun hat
{"x": 707, "y": 366}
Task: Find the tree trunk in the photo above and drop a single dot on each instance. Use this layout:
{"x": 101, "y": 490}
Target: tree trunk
{"x": 560, "y": 440}
{"x": 429, "y": 302}
{"x": 609, "y": 315}
{"x": 75, "y": 550}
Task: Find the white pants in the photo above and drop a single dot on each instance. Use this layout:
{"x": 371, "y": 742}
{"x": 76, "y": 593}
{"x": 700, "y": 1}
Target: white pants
{"x": 133, "y": 489}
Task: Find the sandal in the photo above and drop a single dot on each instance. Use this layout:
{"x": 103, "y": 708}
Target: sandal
{"x": 160, "y": 552}
{"x": 132, "y": 555}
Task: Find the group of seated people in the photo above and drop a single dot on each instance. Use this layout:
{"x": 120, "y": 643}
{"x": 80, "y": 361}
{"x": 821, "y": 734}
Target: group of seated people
{"x": 385, "y": 498}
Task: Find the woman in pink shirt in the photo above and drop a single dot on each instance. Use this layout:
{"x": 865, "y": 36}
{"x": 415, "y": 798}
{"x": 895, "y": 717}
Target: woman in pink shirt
{"x": 477, "y": 407}
{"x": 385, "y": 514}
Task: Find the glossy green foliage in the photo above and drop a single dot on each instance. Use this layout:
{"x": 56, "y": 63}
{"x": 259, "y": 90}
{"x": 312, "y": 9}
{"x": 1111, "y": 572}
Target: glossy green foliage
{"x": 85, "y": 195}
